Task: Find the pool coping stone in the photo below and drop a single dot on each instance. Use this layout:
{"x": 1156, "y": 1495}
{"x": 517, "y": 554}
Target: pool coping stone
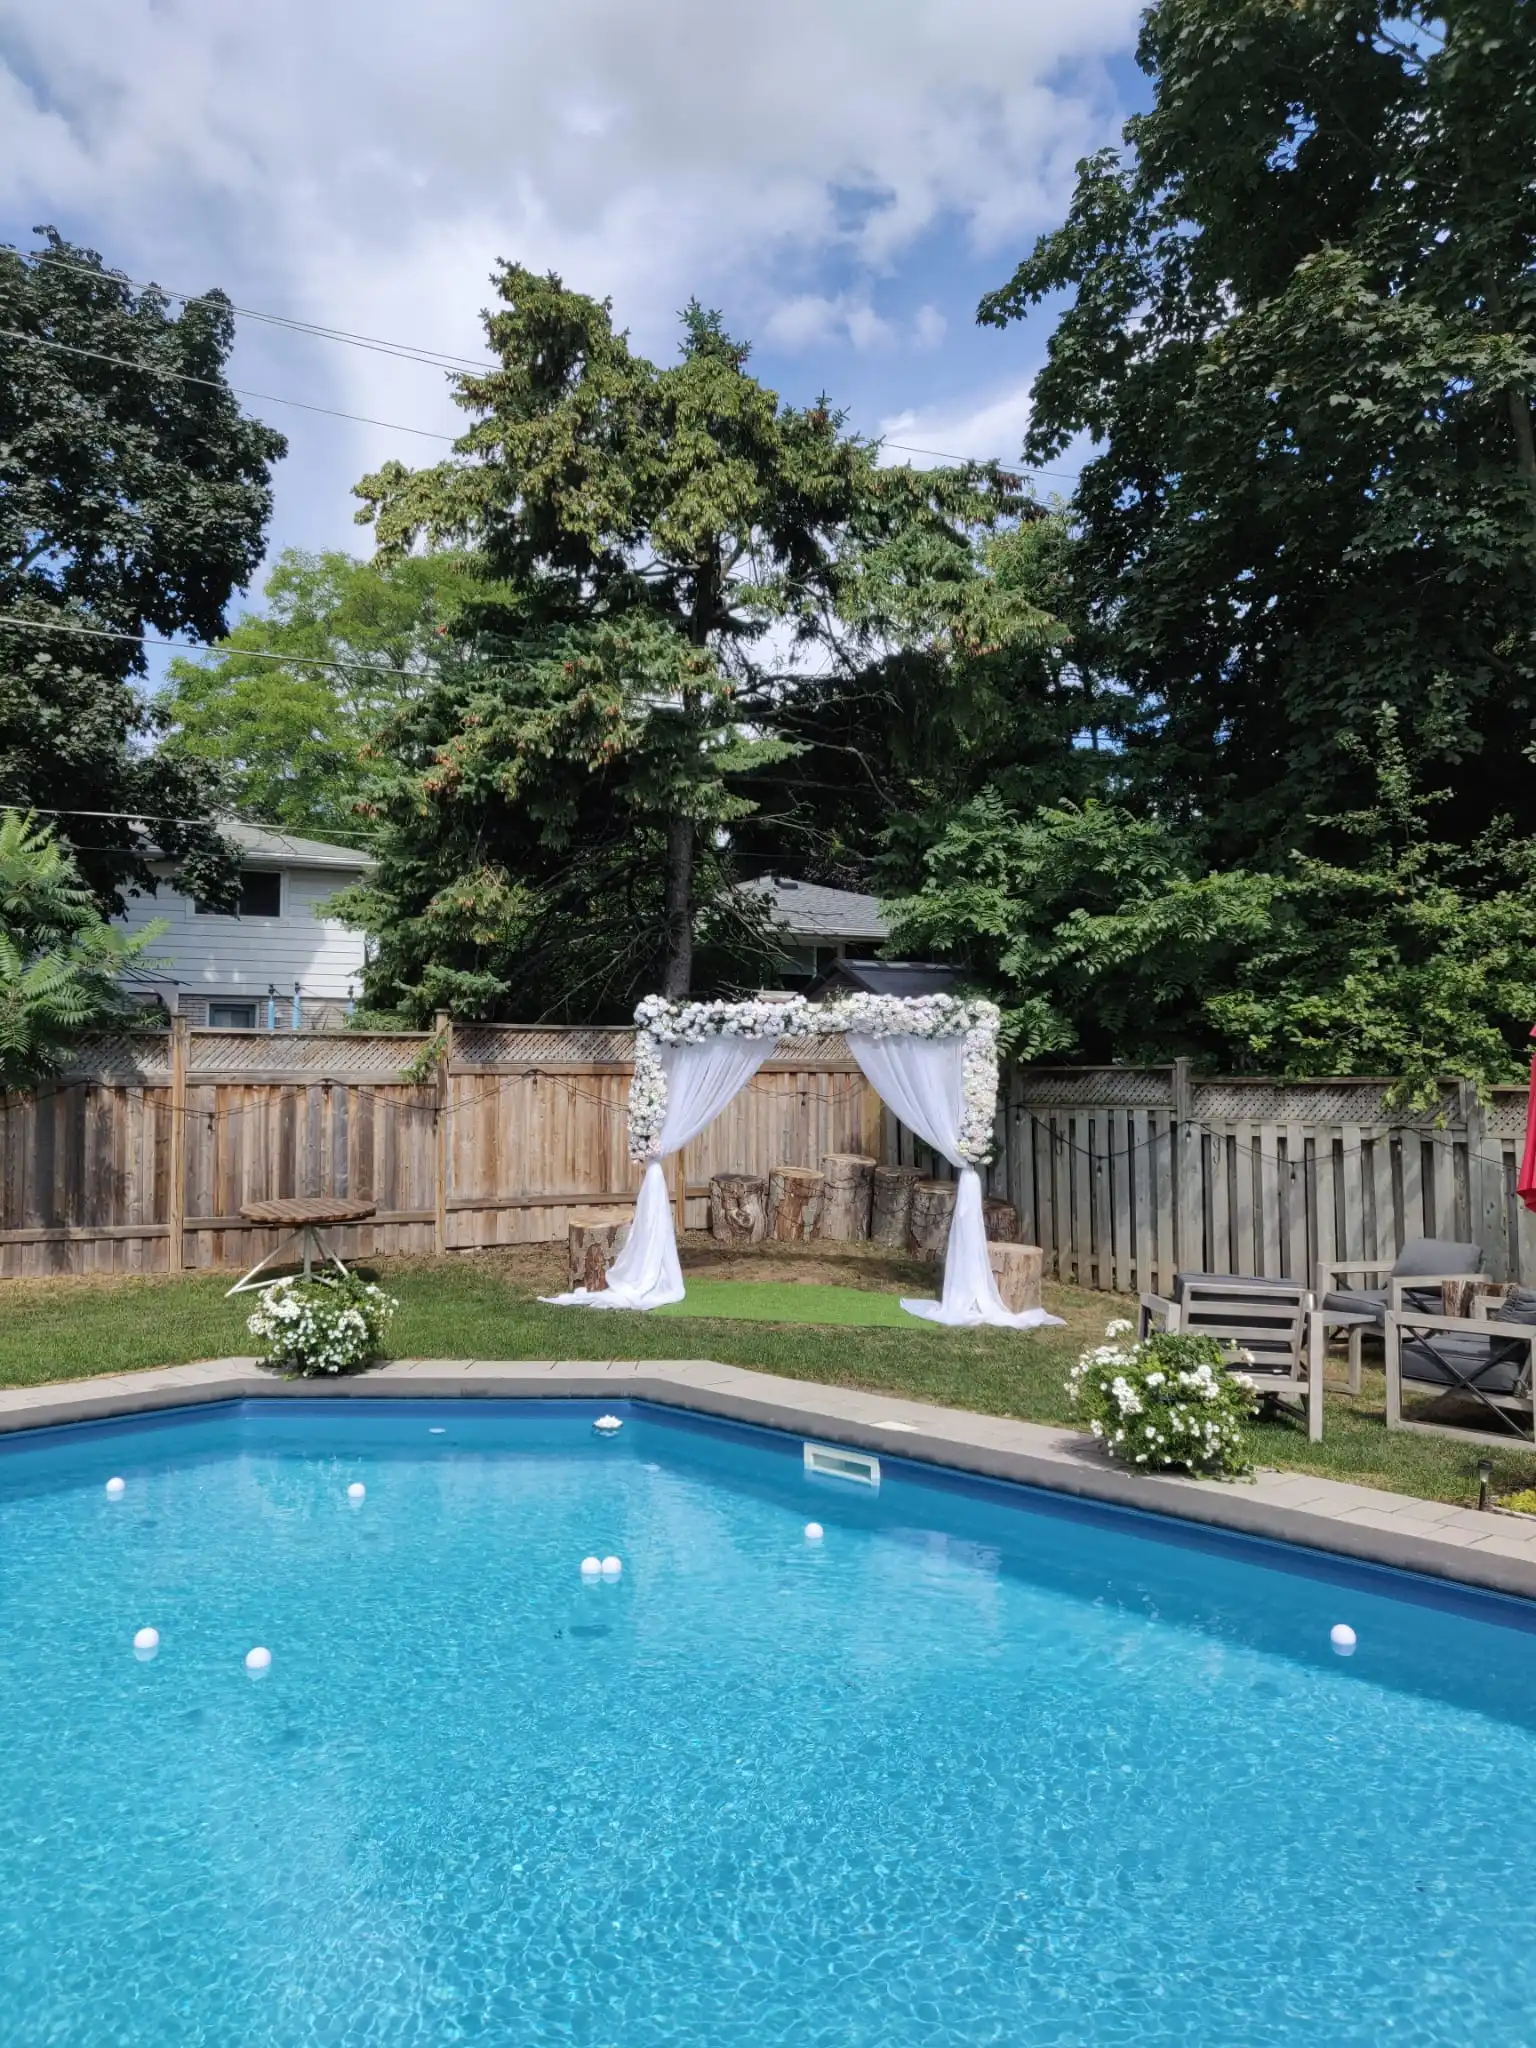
{"x": 1361, "y": 1522}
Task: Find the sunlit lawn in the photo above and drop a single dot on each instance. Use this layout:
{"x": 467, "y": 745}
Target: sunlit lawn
{"x": 487, "y": 1306}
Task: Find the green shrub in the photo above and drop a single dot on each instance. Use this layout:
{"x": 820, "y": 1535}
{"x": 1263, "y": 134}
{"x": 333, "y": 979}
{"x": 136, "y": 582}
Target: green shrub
{"x": 1164, "y": 1401}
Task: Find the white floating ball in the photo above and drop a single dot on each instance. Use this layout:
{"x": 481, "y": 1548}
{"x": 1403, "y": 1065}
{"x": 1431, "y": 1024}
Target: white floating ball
{"x": 608, "y": 1425}
{"x": 147, "y": 1641}
{"x": 258, "y": 1659}
{"x": 591, "y": 1567}
{"x": 437, "y": 1429}
{"x": 357, "y": 1490}
{"x": 612, "y": 1566}
{"x": 116, "y": 1487}
{"x": 814, "y": 1532}
{"x": 1342, "y": 1637}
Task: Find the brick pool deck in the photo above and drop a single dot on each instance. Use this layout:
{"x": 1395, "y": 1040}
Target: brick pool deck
{"x": 1493, "y": 1551}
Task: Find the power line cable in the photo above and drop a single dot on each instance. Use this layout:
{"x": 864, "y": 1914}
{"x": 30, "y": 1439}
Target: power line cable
{"x": 368, "y": 668}
{"x": 166, "y": 818}
{"x": 404, "y": 352}
{"x": 217, "y": 384}
{"x": 407, "y": 351}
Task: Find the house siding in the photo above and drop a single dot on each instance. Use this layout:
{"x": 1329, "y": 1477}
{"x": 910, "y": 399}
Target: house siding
{"x": 238, "y": 957}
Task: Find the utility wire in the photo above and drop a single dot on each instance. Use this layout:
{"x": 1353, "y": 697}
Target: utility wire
{"x": 96, "y": 355}
{"x": 407, "y": 351}
{"x": 404, "y": 352}
{"x": 166, "y": 818}
{"x": 222, "y": 648}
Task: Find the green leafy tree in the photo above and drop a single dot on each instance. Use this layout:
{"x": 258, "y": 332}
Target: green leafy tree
{"x": 1005, "y": 693}
{"x": 1415, "y": 958}
{"x": 288, "y": 700}
{"x": 1301, "y": 331}
{"x": 131, "y": 500}
{"x": 560, "y": 809}
{"x": 60, "y": 962}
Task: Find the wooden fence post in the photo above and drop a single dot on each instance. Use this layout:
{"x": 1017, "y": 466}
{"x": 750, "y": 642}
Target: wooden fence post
{"x": 443, "y": 1025}
{"x": 1485, "y": 1188}
{"x": 1188, "y": 1207}
{"x": 176, "y": 1204}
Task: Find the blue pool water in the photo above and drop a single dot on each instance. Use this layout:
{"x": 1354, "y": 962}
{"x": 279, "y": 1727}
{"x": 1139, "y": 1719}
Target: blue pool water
{"x": 982, "y": 1767}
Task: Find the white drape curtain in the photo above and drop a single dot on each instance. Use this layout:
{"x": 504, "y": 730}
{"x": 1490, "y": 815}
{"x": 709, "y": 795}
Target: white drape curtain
{"x": 923, "y": 1080}
{"x": 701, "y": 1079}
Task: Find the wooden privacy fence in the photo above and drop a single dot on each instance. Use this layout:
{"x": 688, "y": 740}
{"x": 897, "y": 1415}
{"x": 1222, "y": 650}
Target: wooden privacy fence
{"x": 142, "y": 1157}
{"x": 1124, "y": 1175}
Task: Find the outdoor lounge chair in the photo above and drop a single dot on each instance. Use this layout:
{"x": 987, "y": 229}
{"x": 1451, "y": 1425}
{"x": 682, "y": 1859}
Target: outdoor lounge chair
{"x": 1484, "y": 1359}
{"x": 1427, "y": 1262}
{"x": 1265, "y": 1318}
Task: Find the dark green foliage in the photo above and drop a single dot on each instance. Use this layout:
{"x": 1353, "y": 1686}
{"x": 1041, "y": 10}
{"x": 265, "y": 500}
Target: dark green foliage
{"x": 1303, "y": 334}
{"x": 561, "y": 810}
{"x": 59, "y": 961}
{"x": 129, "y": 501}
{"x": 1413, "y": 958}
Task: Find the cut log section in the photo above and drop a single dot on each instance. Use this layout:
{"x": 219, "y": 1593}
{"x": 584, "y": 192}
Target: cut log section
{"x": 1001, "y": 1219}
{"x": 845, "y": 1202}
{"x": 933, "y": 1209}
{"x": 794, "y": 1203}
{"x": 738, "y": 1208}
{"x": 596, "y": 1237}
{"x": 1016, "y": 1269}
{"x": 891, "y": 1204}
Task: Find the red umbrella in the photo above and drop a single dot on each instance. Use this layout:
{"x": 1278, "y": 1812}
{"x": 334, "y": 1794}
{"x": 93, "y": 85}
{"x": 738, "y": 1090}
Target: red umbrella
{"x": 1525, "y": 1186}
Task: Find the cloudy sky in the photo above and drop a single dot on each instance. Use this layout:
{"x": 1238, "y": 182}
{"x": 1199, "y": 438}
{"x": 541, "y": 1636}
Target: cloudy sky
{"x": 843, "y": 178}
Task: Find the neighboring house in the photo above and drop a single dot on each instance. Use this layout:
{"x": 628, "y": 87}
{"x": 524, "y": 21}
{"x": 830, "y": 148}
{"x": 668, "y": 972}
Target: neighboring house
{"x": 884, "y": 978}
{"x": 221, "y": 967}
{"x": 818, "y": 926}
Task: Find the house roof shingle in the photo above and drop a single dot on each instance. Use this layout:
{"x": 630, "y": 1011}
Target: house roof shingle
{"x": 807, "y": 910}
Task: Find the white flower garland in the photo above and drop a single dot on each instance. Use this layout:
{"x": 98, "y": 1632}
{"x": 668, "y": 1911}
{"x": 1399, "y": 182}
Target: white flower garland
{"x": 659, "y": 1022}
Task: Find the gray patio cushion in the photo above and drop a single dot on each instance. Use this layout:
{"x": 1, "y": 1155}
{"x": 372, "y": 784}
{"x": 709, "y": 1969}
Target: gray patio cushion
{"x": 1358, "y": 1301}
{"x": 1490, "y": 1363}
{"x": 1436, "y": 1255}
{"x": 1518, "y": 1306}
{"x": 1183, "y": 1280}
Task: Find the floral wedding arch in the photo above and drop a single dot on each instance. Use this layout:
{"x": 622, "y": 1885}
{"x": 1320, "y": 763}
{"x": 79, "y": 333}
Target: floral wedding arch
{"x": 933, "y": 1059}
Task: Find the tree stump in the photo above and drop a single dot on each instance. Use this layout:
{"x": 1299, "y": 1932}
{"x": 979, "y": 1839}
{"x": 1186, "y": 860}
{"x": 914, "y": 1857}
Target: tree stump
{"x": 1001, "y": 1219}
{"x": 596, "y": 1237}
{"x": 933, "y": 1208}
{"x": 849, "y": 1181}
{"x": 1016, "y": 1269}
{"x": 891, "y": 1204}
{"x": 738, "y": 1208}
{"x": 794, "y": 1203}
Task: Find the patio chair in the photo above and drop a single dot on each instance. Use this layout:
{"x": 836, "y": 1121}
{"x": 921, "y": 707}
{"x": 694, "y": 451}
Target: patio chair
{"x": 1427, "y": 1262}
{"x": 1484, "y": 1359}
{"x": 1265, "y": 1318}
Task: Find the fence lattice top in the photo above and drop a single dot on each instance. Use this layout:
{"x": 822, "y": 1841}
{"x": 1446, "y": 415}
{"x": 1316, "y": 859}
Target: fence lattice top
{"x": 337, "y": 1055}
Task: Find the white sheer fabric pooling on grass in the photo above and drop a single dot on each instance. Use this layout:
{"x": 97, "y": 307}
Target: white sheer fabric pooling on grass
{"x": 701, "y": 1079}
{"x": 923, "y": 1080}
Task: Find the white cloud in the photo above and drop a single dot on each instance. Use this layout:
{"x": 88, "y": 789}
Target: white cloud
{"x": 989, "y": 428}
{"x": 929, "y": 328}
{"x": 363, "y": 162}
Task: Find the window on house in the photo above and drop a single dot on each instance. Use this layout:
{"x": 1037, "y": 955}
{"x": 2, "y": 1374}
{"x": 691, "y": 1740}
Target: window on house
{"x": 261, "y": 895}
{"x": 232, "y": 1016}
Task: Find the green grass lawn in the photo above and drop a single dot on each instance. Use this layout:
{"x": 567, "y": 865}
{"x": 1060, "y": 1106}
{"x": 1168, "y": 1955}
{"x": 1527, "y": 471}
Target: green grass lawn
{"x": 790, "y": 1301}
{"x": 487, "y": 1306}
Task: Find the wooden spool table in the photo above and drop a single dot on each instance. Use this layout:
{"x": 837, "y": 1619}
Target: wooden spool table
{"x": 306, "y": 1217}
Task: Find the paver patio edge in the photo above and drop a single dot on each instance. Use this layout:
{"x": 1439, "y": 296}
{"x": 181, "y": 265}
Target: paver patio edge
{"x": 1362, "y": 1522}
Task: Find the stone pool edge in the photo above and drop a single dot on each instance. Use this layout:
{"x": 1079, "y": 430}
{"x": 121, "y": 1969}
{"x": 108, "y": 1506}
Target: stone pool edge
{"x": 1360, "y": 1522}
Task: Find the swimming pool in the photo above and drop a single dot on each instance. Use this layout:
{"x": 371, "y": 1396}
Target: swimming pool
{"x": 981, "y": 1766}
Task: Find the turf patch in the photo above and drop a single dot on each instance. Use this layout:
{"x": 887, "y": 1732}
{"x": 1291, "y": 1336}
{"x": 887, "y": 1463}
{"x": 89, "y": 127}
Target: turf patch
{"x": 788, "y": 1301}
